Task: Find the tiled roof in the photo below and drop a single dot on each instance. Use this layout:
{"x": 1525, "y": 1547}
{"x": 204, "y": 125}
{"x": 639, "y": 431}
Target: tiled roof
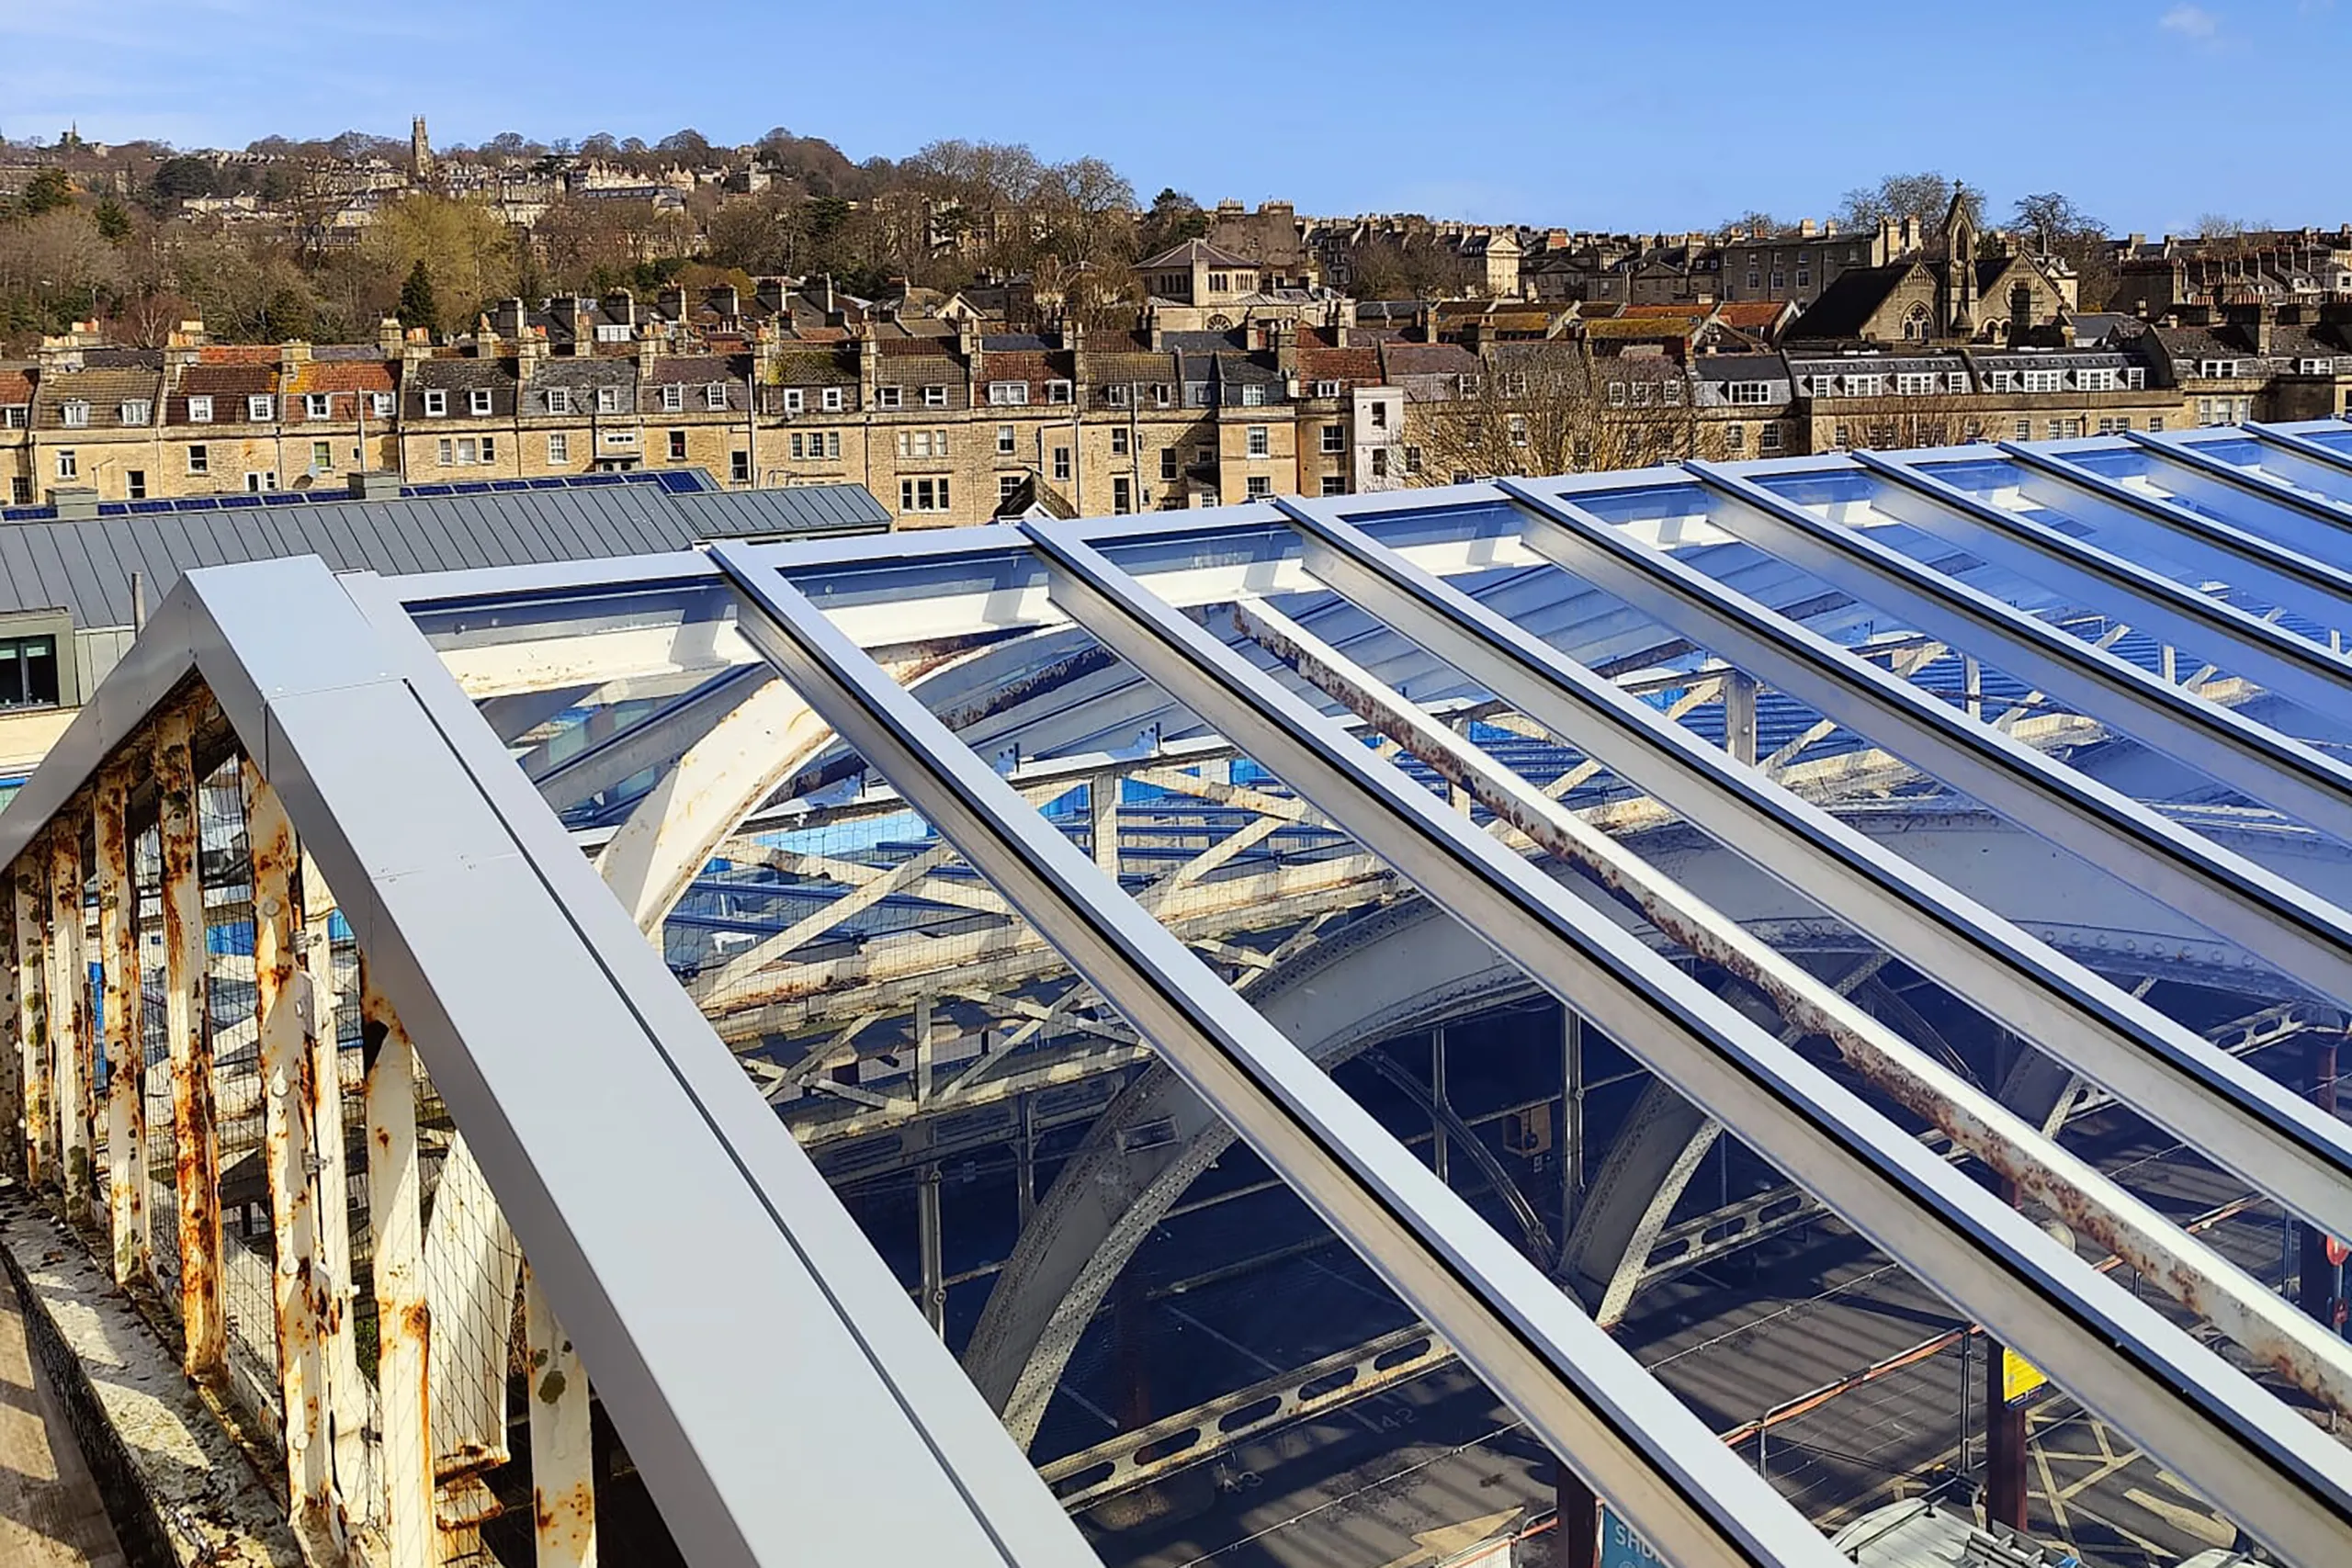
{"x": 104, "y": 390}
{"x": 230, "y": 380}
{"x": 817, "y": 367}
{"x": 1359, "y": 364}
{"x": 238, "y": 354}
{"x": 692, "y": 370}
{"x": 342, "y": 376}
{"x": 15, "y": 384}
{"x": 1429, "y": 360}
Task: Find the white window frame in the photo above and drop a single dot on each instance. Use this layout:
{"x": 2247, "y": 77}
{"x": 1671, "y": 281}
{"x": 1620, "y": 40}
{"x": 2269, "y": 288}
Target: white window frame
{"x": 608, "y": 399}
{"x": 199, "y": 458}
{"x": 1335, "y": 439}
{"x": 479, "y": 402}
{"x": 69, "y": 463}
{"x": 73, "y": 414}
{"x": 674, "y": 398}
{"x": 558, "y": 448}
{"x": 261, "y": 481}
{"x": 1058, "y": 391}
{"x": 199, "y": 410}
{"x": 888, "y": 397}
{"x": 1008, "y": 394}
{"x": 382, "y": 404}
{"x": 136, "y": 411}
{"x": 934, "y": 396}
{"x": 437, "y": 403}
{"x": 1007, "y": 443}
{"x": 260, "y": 409}
{"x": 2045, "y": 380}
{"x": 713, "y": 397}
{"x": 1745, "y": 393}
{"x": 1257, "y": 486}
{"x": 1259, "y": 441}
{"x": 558, "y": 400}
{"x": 829, "y": 400}
{"x": 317, "y": 405}
{"x": 794, "y": 400}
{"x": 1327, "y": 388}
{"x": 1253, "y": 394}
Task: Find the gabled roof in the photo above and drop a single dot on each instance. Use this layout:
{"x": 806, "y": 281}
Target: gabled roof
{"x": 1846, "y": 306}
{"x": 1196, "y": 252}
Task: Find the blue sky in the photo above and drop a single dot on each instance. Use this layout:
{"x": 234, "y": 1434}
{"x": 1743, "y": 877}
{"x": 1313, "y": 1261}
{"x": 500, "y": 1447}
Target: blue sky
{"x": 1620, "y": 115}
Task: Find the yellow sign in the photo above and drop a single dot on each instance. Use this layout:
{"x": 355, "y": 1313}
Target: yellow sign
{"x": 2020, "y": 1377}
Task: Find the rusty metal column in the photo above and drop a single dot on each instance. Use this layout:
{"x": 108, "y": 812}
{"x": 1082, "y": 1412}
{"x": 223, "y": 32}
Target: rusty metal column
{"x": 197, "y": 1171}
{"x": 347, "y": 1399}
{"x": 32, "y": 1015}
{"x": 2318, "y": 1292}
{"x": 12, "y": 1024}
{"x": 563, "y": 1471}
{"x": 286, "y": 1090}
{"x": 1577, "y": 1512}
{"x": 70, "y": 1021}
{"x": 395, "y": 1193}
{"x": 126, "y": 1053}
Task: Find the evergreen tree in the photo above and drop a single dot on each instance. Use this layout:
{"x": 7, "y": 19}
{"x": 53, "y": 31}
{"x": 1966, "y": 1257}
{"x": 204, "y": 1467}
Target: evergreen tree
{"x": 418, "y": 307}
{"x": 112, "y": 221}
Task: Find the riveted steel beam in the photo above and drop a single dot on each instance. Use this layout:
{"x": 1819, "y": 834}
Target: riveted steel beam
{"x": 1580, "y": 1390}
{"x": 2250, "y": 1125}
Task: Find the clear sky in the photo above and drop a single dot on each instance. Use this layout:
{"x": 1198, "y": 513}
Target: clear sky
{"x": 1622, "y": 114}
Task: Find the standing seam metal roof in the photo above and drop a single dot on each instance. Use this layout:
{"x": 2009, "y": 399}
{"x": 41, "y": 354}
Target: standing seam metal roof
{"x": 84, "y": 567}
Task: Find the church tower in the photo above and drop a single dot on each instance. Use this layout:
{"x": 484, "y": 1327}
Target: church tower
{"x": 420, "y": 152}
{"x": 1960, "y": 267}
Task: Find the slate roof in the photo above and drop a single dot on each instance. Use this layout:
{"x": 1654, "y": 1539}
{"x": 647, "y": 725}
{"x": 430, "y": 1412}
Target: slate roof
{"x": 1846, "y": 306}
{"x": 1196, "y": 251}
{"x": 86, "y": 568}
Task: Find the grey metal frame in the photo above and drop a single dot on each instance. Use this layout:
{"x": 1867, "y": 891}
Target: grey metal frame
{"x": 1637, "y": 1444}
{"x": 2240, "y": 1118}
{"x": 2122, "y": 1359}
{"x": 2312, "y": 942}
{"x": 2297, "y": 668}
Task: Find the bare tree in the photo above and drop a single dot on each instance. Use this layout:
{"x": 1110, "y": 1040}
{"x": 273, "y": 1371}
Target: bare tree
{"x": 1555, "y": 408}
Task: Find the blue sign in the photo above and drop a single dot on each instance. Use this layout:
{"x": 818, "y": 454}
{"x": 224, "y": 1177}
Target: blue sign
{"x": 1621, "y": 1548}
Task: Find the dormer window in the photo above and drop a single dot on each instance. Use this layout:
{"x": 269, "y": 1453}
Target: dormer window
{"x": 260, "y": 409}
{"x": 1327, "y": 388}
{"x": 1008, "y": 394}
{"x": 316, "y": 405}
{"x": 1253, "y": 394}
{"x": 1468, "y": 385}
{"x": 829, "y": 400}
{"x": 887, "y": 397}
{"x": 136, "y": 410}
{"x": 2316, "y": 366}
{"x": 437, "y": 403}
{"x": 608, "y": 399}
{"x": 1118, "y": 395}
{"x": 478, "y": 400}
{"x": 674, "y": 398}
{"x": 794, "y": 399}
{"x": 558, "y": 400}
{"x": 1057, "y": 392}
{"x": 713, "y": 397}
{"x": 382, "y": 403}
{"x": 199, "y": 411}
{"x": 934, "y": 396}
{"x": 74, "y": 415}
